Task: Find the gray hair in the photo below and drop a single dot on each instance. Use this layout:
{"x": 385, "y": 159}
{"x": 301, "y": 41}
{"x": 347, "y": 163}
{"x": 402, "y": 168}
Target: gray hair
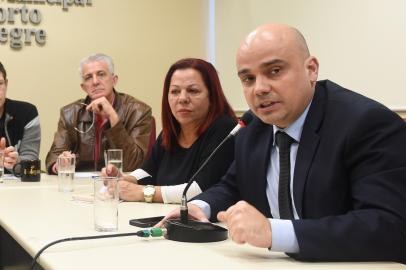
{"x": 98, "y": 57}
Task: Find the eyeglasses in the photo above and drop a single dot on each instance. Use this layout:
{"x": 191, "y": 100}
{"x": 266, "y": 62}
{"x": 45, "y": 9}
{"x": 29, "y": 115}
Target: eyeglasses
{"x": 91, "y": 126}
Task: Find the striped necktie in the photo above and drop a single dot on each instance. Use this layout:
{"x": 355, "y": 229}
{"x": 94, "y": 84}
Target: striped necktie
{"x": 283, "y": 141}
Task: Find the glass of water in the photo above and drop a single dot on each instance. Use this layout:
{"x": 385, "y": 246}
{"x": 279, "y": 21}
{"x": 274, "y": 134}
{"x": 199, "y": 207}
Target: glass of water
{"x": 114, "y": 157}
{"x": 66, "y": 173}
{"x": 106, "y": 198}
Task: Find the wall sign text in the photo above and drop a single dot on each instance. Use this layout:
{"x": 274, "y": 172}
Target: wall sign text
{"x": 17, "y": 37}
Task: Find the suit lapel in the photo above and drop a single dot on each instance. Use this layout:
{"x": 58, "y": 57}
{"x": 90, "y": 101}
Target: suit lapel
{"x": 261, "y": 158}
{"x": 308, "y": 144}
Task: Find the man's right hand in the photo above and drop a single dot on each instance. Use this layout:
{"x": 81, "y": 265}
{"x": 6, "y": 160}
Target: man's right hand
{"x": 194, "y": 213}
{"x": 10, "y": 154}
{"x": 247, "y": 225}
{"x": 104, "y": 108}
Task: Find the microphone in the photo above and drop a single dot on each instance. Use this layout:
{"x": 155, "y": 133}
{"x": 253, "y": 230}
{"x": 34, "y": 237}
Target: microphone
{"x": 186, "y": 230}
{"x": 242, "y": 122}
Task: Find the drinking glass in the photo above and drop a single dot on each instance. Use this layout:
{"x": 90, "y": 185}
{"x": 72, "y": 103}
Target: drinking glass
{"x": 106, "y": 200}
{"x": 114, "y": 157}
{"x": 66, "y": 173}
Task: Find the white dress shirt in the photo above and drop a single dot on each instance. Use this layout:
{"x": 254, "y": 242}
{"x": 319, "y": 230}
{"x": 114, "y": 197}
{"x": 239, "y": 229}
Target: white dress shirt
{"x": 283, "y": 235}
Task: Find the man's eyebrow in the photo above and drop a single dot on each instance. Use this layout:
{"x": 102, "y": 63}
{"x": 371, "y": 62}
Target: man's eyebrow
{"x": 272, "y": 62}
{"x": 243, "y": 71}
{"x": 263, "y": 65}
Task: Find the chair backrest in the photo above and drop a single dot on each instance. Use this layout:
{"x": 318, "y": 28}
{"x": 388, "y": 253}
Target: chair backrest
{"x": 152, "y": 137}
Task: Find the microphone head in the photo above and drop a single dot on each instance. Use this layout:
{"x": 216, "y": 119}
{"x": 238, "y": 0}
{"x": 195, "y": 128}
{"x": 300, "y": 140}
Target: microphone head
{"x": 246, "y": 118}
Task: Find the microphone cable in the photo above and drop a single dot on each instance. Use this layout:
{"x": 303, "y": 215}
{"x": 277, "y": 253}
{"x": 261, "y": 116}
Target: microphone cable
{"x": 153, "y": 232}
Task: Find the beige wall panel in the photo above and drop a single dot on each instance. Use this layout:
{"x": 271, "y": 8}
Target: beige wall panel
{"x": 143, "y": 37}
{"x": 360, "y": 43}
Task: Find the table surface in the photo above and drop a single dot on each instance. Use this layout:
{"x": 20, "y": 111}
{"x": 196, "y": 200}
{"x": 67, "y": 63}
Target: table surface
{"x": 35, "y": 214}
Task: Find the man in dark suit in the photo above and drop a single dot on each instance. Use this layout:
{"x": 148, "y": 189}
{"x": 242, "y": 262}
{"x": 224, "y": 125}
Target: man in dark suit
{"x": 344, "y": 197}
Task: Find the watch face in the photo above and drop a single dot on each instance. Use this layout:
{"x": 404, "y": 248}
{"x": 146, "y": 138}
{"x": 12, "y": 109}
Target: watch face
{"x": 148, "y": 191}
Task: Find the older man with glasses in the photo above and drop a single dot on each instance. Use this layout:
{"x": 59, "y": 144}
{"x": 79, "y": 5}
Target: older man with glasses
{"x": 104, "y": 119}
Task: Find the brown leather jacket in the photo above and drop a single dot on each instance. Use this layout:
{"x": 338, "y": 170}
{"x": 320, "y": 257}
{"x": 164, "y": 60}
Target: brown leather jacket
{"x": 130, "y": 134}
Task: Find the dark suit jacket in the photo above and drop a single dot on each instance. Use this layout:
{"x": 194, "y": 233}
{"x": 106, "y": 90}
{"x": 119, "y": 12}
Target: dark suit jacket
{"x": 349, "y": 178}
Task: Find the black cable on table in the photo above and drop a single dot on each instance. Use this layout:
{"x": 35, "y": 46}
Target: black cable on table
{"x": 142, "y": 233}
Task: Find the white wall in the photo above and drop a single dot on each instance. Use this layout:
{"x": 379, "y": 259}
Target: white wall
{"x": 361, "y": 44}
{"x": 143, "y": 37}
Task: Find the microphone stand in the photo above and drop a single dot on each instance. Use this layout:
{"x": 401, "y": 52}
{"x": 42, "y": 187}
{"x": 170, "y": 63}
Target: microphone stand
{"x": 185, "y": 230}
{"x": 183, "y": 204}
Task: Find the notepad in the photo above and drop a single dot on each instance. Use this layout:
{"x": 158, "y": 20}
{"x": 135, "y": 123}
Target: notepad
{"x": 9, "y": 176}
{"x": 86, "y": 174}
{"x": 83, "y": 197}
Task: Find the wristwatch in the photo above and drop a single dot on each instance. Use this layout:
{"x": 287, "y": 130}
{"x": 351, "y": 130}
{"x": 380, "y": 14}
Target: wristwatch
{"x": 149, "y": 192}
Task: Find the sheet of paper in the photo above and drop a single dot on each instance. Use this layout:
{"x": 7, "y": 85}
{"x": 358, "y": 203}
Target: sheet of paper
{"x": 83, "y": 197}
{"x": 9, "y": 176}
{"x": 86, "y": 174}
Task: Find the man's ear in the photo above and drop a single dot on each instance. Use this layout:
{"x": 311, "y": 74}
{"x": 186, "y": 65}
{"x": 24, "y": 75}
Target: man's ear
{"x": 312, "y": 66}
{"x": 115, "y": 79}
{"x": 82, "y": 85}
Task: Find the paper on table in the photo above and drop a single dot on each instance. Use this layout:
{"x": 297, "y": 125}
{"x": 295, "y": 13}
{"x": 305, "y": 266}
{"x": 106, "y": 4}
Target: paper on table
{"x": 86, "y": 174}
{"x": 9, "y": 176}
{"x": 83, "y": 197}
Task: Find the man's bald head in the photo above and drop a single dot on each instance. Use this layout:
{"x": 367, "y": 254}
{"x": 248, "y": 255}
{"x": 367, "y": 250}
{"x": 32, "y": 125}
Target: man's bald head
{"x": 279, "y": 35}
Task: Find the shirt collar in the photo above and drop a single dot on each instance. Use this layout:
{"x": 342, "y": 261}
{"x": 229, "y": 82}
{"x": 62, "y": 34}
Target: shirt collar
{"x": 295, "y": 129}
